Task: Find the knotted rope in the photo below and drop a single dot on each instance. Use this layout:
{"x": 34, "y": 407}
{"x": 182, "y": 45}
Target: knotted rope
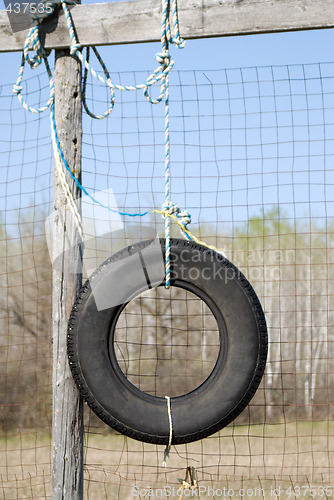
{"x": 160, "y": 75}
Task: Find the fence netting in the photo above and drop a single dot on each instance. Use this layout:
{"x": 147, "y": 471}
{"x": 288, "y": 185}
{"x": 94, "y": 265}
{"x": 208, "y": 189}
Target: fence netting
{"x": 252, "y": 154}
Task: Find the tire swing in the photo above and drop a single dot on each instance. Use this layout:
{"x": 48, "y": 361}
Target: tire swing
{"x": 241, "y": 355}
{"x": 175, "y": 264}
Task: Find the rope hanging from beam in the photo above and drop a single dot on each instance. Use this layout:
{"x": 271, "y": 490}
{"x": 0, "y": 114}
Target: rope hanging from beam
{"x": 160, "y": 75}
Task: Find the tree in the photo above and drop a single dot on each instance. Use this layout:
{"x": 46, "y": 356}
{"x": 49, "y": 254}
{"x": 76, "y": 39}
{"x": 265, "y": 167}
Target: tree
{"x": 25, "y": 325}
{"x": 287, "y": 262}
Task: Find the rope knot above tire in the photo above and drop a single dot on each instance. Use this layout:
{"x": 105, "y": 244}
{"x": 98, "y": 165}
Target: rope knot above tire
{"x": 183, "y": 216}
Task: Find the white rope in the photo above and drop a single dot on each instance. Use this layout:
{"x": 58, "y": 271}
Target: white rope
{"x": 163, "y": 58}
{"x": 65, "y": 185}
{"x": 168, "y": 447}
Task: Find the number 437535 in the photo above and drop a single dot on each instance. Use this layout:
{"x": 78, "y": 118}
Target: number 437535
{"x": 309, "y": 491}
{"x": 29, "y": 8}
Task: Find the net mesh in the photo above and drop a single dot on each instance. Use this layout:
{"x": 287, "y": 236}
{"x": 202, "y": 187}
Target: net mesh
{"x": 166, "y": 342}
{"x": 25, "y": 304}
{"x": 252, "y": 161}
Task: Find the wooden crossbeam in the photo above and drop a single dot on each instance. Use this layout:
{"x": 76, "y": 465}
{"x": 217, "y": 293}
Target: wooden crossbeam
{"x": 139, "y": 21}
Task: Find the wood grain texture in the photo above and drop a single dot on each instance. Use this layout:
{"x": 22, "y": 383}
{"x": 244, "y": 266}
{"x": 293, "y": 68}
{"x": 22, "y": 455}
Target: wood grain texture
{"x": 139, "y": 21}
{"x": 67, "y": 425}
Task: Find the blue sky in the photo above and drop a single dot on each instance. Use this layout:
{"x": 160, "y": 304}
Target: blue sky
{"x": 280, "y": 49}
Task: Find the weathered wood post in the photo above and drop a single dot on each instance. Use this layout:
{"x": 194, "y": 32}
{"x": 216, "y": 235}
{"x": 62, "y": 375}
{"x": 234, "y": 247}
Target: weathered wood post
{"x": 67, "y": 426}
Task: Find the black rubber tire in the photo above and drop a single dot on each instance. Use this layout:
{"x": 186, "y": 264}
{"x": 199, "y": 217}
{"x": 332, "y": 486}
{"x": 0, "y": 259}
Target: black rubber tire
{"x": 241, "y": 360}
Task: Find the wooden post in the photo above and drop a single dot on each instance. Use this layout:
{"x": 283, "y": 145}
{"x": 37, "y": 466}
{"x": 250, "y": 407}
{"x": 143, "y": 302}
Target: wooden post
{"x": 67, "y": 428}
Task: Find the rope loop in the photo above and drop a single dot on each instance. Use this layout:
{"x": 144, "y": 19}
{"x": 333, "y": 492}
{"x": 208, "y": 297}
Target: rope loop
{"x": 159, "y": 75}
{"x": 17, "y": 88}
{"x": 33, "y": 43}
{"x": 179, "y": 42}
{"x": 109, "y": 82}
